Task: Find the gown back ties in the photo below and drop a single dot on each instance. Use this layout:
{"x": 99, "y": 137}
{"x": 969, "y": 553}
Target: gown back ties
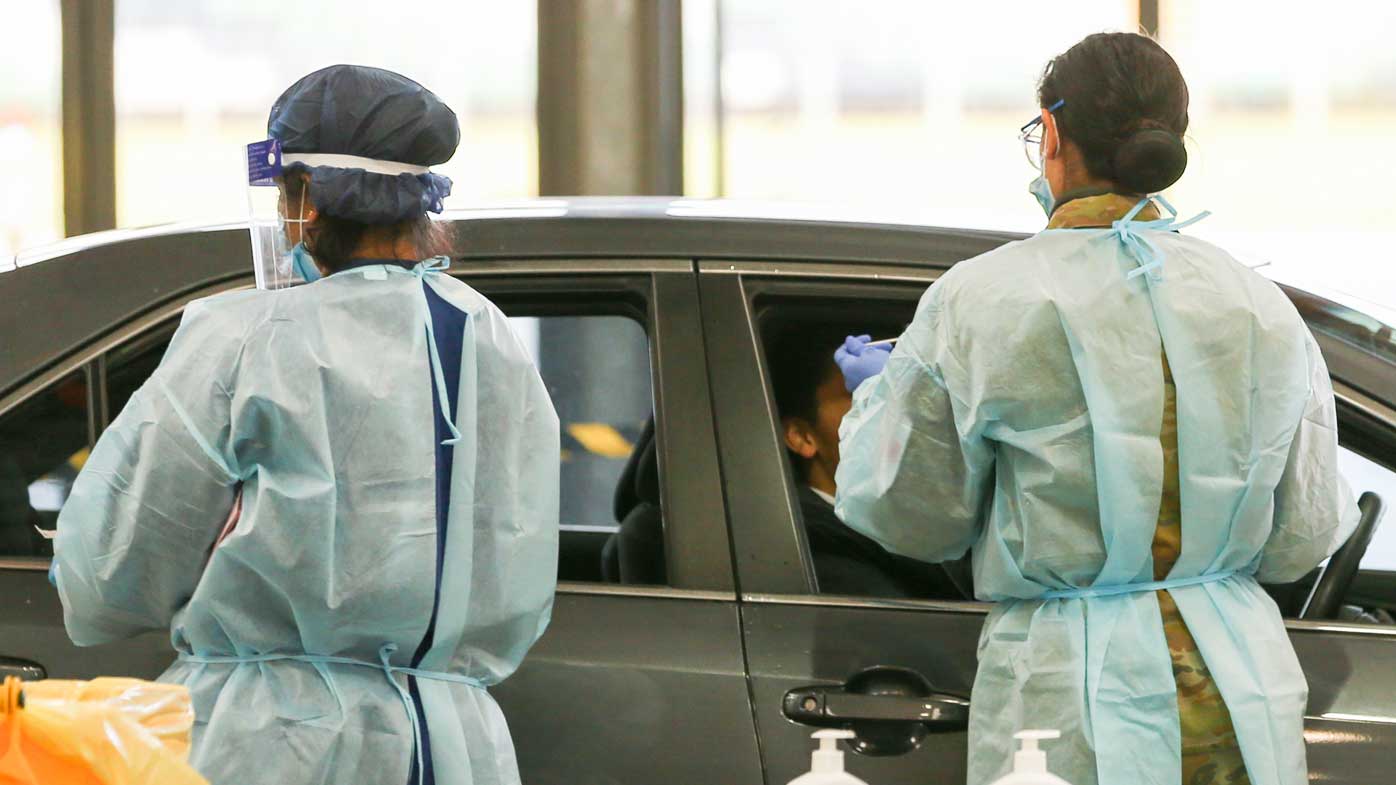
{"x": 384, "y": 664}
{"x": 1136, "y": 588}
{"x": 1139, "y": 247}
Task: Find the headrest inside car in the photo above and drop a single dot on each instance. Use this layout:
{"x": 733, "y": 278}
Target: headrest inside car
{"x": 627, "y": 487}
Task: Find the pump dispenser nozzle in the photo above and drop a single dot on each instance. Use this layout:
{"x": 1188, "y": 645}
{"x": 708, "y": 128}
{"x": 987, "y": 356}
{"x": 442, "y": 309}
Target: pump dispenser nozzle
{"x": 829, "y": 757}
{"x": 1030, "y": 758}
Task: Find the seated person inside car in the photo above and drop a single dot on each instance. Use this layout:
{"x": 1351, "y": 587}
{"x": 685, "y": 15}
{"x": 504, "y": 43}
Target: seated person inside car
{"x": 812, "y": 401}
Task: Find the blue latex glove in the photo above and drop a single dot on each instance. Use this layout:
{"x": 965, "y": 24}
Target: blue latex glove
{"x": 53, "y": 573}
{"x": 860, "y": 362}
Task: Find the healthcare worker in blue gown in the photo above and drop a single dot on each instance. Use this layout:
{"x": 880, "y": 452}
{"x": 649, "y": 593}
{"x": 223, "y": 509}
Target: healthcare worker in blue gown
{"x": 1130, "y": 429}
{"x": 396, "y": 458}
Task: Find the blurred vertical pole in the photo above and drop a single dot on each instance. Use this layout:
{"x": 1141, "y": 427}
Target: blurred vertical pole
{"x": 610, "y": 97}
{"x": 817, "y": 93}
{"x": 1149, "y": 17}
{"x": 662, "y": 61}
{"x": 610, "y": 122}
{"x": 719, "y": 108}
{"x": 89, "y": 115}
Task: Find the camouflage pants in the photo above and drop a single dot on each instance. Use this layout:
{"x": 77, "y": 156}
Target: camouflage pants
{"x": 1211, "y": 754}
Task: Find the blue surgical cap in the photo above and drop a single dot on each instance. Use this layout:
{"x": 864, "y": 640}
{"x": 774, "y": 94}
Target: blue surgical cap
{"x": 368, "y": 113}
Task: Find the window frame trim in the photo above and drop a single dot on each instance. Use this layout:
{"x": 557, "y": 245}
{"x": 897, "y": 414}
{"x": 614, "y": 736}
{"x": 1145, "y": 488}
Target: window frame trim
{"x": 1306, "y": 626}
{"x": 99, "y": 347}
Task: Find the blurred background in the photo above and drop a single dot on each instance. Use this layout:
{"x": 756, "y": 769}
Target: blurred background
{"x": 903, "y": 109}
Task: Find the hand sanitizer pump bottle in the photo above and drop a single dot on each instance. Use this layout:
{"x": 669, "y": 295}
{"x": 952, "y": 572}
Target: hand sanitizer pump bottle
{"x": 826, "y": 768}
{"x": 1030, "y": 763}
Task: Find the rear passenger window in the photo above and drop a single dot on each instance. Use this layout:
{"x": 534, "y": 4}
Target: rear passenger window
{"x": 43, "y": 444}
{"x": 597, "y": 372}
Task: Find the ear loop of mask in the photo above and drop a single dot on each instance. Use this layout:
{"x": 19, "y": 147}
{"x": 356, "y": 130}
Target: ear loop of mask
{"x": 300, "y": 220}
{"x": 1040, "y": 189}
{"x": 302, "y": 255}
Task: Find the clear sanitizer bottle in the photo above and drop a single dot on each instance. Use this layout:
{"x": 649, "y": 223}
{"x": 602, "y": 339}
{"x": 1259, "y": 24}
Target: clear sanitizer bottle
{"x": 1030, "y": 763}
{"x": 826, "y": 768}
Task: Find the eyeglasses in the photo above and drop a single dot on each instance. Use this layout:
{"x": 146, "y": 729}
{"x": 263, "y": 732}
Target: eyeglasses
{"x": 1031, "y": 136}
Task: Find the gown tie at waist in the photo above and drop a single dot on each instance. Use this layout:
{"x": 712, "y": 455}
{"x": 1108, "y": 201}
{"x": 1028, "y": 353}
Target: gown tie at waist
{"x": 384, "y": 665}
{"x": 1136, "y": 588}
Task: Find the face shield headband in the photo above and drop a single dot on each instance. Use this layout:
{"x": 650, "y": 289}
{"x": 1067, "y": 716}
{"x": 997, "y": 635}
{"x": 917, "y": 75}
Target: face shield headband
{"x": 276, "y": 262}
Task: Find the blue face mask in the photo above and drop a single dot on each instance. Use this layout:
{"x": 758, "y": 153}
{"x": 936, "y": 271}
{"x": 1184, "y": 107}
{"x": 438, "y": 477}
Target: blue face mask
{"x": 1042, "y": 191}
{"x": 303, "y": 264}
{"x": 1032, "y": 133}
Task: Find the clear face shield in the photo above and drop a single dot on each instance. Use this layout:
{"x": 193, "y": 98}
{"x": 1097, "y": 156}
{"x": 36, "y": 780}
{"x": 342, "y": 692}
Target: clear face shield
{"x": 279, "y": 258}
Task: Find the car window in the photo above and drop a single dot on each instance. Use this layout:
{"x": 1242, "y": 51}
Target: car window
{"x": 799, "y": 336}
{"x": 43, "y": 443}
{"x": 1363, "y": 476}
{"x": 597, "y": 372}
{"x": 129, "y": 365}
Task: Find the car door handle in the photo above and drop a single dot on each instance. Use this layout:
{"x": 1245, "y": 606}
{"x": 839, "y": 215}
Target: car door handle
{"x": 22, "y": 669}
{"x": 890, "y": 709}
{"x": 819, "y": 706}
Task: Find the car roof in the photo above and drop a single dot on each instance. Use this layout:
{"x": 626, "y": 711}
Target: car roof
{"x": 64, "y": 295}
{"x": 638, "y": 227}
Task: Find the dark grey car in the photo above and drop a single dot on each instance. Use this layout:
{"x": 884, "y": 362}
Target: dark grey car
{"x": 690, "y": 633}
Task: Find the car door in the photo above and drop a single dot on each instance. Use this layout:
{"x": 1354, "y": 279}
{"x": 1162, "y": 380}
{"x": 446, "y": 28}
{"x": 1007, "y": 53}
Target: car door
{"x": 628, "y": 675}
{"x": 898, "y": 670}
{"x": 610, "y": 692}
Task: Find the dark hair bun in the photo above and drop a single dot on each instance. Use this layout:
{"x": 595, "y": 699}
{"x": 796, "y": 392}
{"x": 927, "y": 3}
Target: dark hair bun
{"x": 1150, "y": 160}
{"x": 1124, "y": 106}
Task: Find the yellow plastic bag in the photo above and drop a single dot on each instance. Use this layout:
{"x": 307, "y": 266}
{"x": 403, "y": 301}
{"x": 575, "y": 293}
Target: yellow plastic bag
{"x": 99, "y": 732}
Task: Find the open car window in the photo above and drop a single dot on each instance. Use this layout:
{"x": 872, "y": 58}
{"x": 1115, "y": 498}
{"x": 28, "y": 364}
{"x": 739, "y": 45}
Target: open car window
{"x": 799, "y": 335}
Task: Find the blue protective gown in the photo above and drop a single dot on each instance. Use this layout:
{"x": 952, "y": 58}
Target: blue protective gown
{"x": 358, "y": 529}
{"x": 1020, "y": 414}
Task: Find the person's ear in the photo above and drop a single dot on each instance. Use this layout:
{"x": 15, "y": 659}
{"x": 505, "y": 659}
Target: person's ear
{"x": 1051, "y": 141}
{"x": 799, "y": 437}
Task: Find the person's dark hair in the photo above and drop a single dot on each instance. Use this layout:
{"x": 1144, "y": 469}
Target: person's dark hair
{"x": 801, "y": 357}
{"x": 800, "y": 361}
{"x": 1126, "y": 109}
{"x": 333, "y": 240}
